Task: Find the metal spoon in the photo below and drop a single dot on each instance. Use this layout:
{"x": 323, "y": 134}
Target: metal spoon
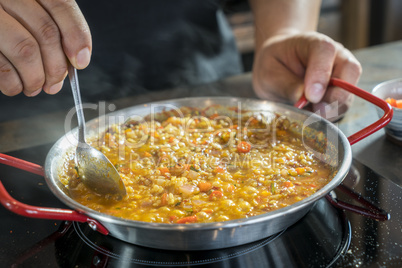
{"x": 95, "y": 170}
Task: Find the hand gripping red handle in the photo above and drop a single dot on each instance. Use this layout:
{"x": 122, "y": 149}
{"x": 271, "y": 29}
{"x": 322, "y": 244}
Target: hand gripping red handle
{"x": 369, "y": 209}
{"x": 382, "y": 122}
{"x": 40, "y": 212}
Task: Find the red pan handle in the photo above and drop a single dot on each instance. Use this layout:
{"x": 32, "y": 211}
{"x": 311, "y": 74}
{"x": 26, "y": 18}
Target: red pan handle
{"x": 382, "y": 122}
{"x": 21, "y": 164}
{"x": 369, "y": 210}
{"x": 40, "y": 212}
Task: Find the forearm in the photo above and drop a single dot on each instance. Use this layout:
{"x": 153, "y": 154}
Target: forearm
{"x": 272, "y": 17}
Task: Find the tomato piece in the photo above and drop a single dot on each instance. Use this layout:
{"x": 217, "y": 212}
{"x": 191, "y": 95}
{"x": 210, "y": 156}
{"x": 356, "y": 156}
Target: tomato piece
{"x": 219, "y": 170}
{"x": 215, "y": 195}
{"x": 234, "y": 127}
{"x": 208, "y": 210}
{"x": 243, "y": 147}
{"x": 391, "y": 101}
{"x": 394, "y": 102}
{"x": 164, "y": 199}
{"x": 146, "y": 154}
{"x": 215, "y": 115}
{"x": 287, "y": 184}
{"x": 164, "y": 170}
{"x": 300, "y": 170}
{"x": 172, "y": 218}
{"x": 204, "y": 186}
{"x": 399, "y": 104}
{"x": 231, "y": 188}
{"x": 254, "y": 122}
{"x": 189, "y": 219}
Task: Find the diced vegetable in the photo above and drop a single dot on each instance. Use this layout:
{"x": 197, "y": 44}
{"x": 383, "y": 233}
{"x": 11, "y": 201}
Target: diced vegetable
{"x": 243, "y": 147}
{"x": 215, "y": 115}
{"x": 146, "y": 154}
{"x": 164, "y": 198}
{"x": 273, "y": 188}
{"x": 219, "y": 169}
{"x": 194, "y": 169}
{"x": 204, "y": 186}
{"x": 215, "y": 195}
{"x": 187, "y": 189}
{"x": 394, "y": 103}
{"x": 231, "y": 188}
{"x": 164, "y": 170}
{"x": 189, "y": 219}
{"x": 300, "y": 171}
{"x": 287, "y": 184}
{"x": 399, "y": 104}
{"x": 193, "y": 174}
{"x": 172, "y": 218}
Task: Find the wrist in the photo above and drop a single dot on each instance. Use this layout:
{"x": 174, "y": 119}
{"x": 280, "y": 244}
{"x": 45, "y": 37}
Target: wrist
{"x": 261, "y": 38}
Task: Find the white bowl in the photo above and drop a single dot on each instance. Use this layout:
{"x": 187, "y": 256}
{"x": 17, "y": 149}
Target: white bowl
{"x": 391, "y": 89}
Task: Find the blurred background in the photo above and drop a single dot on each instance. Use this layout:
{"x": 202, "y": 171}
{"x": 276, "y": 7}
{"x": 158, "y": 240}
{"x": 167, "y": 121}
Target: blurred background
{"x": 354, "y": 23}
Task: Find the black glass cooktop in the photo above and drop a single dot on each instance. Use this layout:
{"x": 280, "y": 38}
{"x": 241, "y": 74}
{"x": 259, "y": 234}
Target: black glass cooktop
{"x": 325, "y": 237}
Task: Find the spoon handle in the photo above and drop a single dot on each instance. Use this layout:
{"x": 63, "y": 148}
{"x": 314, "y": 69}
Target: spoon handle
{"x": 75, "y": 88}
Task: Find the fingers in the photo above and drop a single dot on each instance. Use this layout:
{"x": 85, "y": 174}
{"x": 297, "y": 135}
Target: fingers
{"x": 75, "y": 33}
{"x": 347, "y": 68}
{"x": 46, "y": 33}
{"x": 321, "y": 55}
{"x": 20, "y": 50}
{"x": 329, "y": 59}
{"x": 337, "y": 101}
{"x": 277, "y": 76}
{"x": 38, "y": 36}
{"x": 10, "y": 84}
{"x": 275, "y": 82}
{"x": 288, "y": 65}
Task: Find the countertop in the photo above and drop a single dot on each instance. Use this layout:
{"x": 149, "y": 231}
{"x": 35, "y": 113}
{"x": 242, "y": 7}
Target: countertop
{"x": 27, "y": 123}
{"x": 380, "y": 63}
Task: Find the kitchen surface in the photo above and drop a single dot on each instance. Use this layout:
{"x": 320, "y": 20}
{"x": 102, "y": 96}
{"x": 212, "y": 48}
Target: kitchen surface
{"x": 326, "y": 236}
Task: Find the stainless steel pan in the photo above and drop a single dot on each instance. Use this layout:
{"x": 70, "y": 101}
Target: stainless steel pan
{"x": 337, "y": 153}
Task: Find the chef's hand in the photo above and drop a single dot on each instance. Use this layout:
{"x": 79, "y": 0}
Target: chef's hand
{"x": 36, "y": 36}
{"x": 289, "y": 64}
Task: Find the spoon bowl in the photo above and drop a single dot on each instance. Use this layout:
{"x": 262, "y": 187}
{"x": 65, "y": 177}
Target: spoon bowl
{"x": 97, "y": 172}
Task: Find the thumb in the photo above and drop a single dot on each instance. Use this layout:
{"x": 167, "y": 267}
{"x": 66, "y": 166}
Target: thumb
{"x": 320, "y": 64}
{"x": 315, "y": 92}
